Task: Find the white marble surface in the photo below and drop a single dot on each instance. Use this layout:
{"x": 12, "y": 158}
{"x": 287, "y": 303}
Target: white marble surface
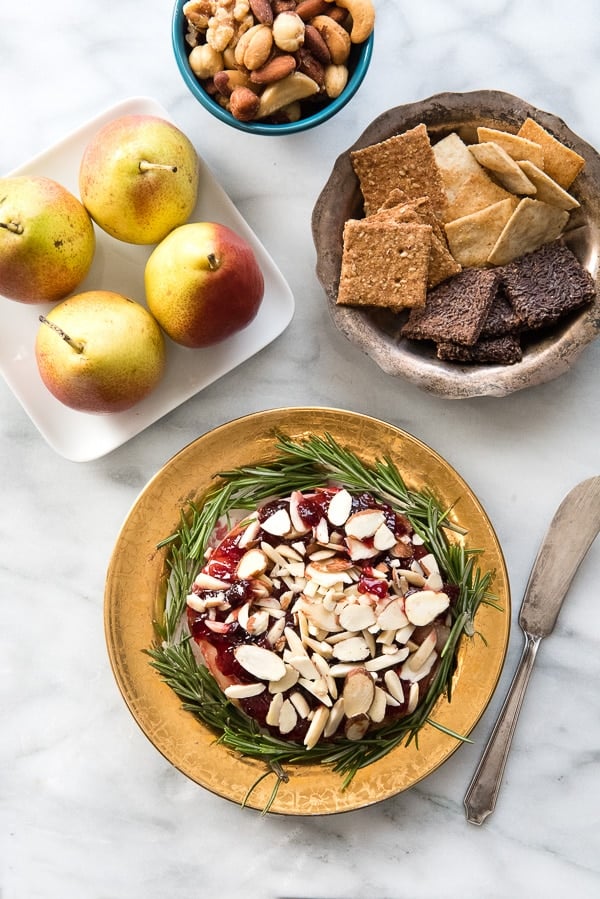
{"x": 88, "y": 808}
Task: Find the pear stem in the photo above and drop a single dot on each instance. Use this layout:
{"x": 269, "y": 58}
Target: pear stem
{"x": 213, "y": 262}
{"x": 76, "y": 345}
{"x": 146, "y": 166}
{"x": 13, "y": 227}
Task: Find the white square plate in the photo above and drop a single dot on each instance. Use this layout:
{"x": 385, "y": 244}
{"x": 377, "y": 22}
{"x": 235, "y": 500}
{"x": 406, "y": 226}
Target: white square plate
{"x": 118, "y": 266}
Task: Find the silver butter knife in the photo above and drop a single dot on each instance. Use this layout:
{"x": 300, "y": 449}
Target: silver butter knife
{"x": 570, "y": 535}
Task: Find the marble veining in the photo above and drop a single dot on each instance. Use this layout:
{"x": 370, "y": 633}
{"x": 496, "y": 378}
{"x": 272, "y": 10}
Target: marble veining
{"x": 88, "y": 808}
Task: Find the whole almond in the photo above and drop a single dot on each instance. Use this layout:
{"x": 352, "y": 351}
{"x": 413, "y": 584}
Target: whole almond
{"x": 244, "y": 104}
{"x": 308, "y": 9}
{"x": 274, "y": 70}
{"x": 262, "y": 11}
{"x": 310, "y": 66}
{"x": 316, "y": 45}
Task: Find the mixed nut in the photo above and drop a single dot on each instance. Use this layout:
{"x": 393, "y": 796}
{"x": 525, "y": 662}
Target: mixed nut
{"x": 272, "y": 60}
{"x": 322, "y": 614}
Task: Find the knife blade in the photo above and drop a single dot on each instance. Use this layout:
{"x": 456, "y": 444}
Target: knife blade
{"x": 572, "y": 531}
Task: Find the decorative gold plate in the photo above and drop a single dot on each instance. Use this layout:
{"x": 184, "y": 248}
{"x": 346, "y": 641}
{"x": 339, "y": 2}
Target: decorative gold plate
{"x": 136, "y": 583}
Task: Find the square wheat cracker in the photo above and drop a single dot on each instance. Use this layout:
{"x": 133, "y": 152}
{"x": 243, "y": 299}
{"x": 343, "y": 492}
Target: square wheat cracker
{"x": 473, "y": 237}
{"x": 531, "y": 225}
{"x": 442, "y": 264}
{"x": 517, "y": 147}
{"x": 406, "y": 161}
{"x": 560, "y": 162}
{"x": 384, "y": 264}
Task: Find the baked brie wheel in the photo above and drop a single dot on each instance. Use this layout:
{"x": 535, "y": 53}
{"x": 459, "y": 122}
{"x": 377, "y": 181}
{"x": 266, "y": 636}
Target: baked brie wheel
{"x": 321, "y": 614}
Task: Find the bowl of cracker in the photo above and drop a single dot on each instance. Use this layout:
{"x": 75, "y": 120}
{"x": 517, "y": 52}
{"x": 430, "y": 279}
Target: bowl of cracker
{"x": 457, "y": 244}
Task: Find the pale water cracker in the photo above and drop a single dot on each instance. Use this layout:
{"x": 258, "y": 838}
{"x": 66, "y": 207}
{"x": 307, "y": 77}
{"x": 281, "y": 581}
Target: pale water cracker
{"x": 468, "y": 187}
{"x": 473, "y": 237}
{"x": 493, "y": 157}
{"x": 532, "y": 224}
{"x": 384, "y": 264}
{"x": 560, "y": 162}
{"x": 405, "y": 161}
{"x": 547, "y": 189}
{"x": 517, "y": 147}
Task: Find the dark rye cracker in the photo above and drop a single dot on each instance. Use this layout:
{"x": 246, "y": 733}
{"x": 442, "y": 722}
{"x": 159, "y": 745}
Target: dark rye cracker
{"x": 455, "y": 310}
{"x": 499, "y": 350}
{"x": 404, "y": 161}
{"x": 384, "y": 264}
{"x": 547, "y": 284}
{"x": 501, "y": 319}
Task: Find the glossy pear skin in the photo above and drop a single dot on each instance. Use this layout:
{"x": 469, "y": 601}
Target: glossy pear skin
{"x": 47, "y": 240}
{"x": 203, "y": 284}
{"x": 131, "y": 204}
{"x": 122, "y": 356}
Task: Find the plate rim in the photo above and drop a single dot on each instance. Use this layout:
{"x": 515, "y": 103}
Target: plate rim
{"x": 133, "y": 692}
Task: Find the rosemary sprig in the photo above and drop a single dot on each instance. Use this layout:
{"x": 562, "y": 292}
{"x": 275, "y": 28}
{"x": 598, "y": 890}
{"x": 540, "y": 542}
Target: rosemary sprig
{"x": 304, "y": 465}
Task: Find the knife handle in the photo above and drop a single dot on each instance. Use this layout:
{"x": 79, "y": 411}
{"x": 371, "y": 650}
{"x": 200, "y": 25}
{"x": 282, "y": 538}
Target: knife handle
{"x": 480, "y": 798}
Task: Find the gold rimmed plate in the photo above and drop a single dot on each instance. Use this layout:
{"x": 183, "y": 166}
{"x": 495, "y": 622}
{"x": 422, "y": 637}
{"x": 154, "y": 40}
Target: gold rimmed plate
{"x": 136, "y": 584}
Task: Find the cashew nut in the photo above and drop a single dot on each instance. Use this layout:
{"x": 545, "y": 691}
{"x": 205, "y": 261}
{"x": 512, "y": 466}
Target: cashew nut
{"x": 296, "y": 86}
{"x": 363, "y": 18}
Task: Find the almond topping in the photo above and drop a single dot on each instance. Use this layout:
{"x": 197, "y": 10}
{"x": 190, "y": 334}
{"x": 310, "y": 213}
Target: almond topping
{"x": 352, "y": 649}
{"x": 355, "y": 617}
{"x": 423, "y": 606}
{"x": 259, "y": 662}
{"x": 278, "y": 523}
{"x": 365, "y": 523}
{"x": 339, "y": 508}
{"x": 358, "y": 692}
{"x": 243, "y": 691}
{"x": 317, "y": 726}
{"x": 288, "y": 717}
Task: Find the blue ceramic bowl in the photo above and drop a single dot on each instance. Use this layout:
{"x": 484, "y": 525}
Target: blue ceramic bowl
{"x": 358, "y": 64}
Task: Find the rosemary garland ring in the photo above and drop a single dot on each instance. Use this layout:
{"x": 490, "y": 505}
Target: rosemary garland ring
{"x": 312, "y": 464}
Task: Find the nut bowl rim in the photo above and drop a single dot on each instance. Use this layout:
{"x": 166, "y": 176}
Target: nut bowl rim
{"x": 362, "y": 55}
{"x": 340, "y": 198}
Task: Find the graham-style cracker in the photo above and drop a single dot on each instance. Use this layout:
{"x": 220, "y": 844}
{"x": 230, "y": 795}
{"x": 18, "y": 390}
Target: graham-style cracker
{"x": 404, "y": 161}
{"x": 384, "y": 264}
{"x": 560, "y": 162}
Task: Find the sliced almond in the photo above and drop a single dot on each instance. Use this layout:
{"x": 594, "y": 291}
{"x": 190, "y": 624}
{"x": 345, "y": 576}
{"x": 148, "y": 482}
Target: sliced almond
{"x": 318, "y": 615}
{"x": 384, "y": 538}
{"x": 318, "y": 688}
{"x": 417, "y": 658}
{"x": 394, "y": 685}
{"x": 317, "y": 726}
{"x": 336, "y": 715}
{"x": 429, "y": 564}
{"x": 288, "y": 717}
{"x": 392, "y": 617}
{"x": 378, "y": 707}
{"x": 358, "y": 692}
{"x": 298, "y": 522}
{"x": 339, "y": 508}
{"x": 413, "y": 698}
{"x": 322, "y": 532}
{"x": 356, "y": 728}
{"x": 260, "y": 662}
{"x": 355, "y": 617}
{"x": 360, "y": 550}
{"x": 258, "y": 622}
{"x": 352, "y": 649}
{"x": 289, "y": 679}
{"x": 272, "y": 718}
{"x": 325, "y": 577}
{"x": 389, "y": 660}
{"x": 303, "y": 666}
{"x": 278, "y": 523}
{"x": 407, "y": 672}
{"x": 363, "y": 524}
{"x": 423, "y": 606}
{"x": 300, "y": 704}
{"x": 206, "y": 582}
{"x": 250, "y": 534}
{"x": 243, "y": 691}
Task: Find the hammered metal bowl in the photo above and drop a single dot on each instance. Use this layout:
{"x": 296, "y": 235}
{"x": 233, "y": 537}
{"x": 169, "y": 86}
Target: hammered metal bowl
{"x": 376, "y": 331}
